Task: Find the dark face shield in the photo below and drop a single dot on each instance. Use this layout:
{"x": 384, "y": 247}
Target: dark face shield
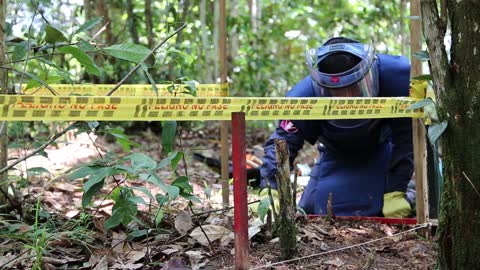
{"x": 359, "y": 81}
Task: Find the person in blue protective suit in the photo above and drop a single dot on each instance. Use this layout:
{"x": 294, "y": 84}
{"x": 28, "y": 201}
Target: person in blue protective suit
{"x": 365, "y": 163}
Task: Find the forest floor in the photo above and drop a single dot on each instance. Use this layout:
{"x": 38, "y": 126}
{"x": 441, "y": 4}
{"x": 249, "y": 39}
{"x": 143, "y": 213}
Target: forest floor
{"x": 55, "y": 232}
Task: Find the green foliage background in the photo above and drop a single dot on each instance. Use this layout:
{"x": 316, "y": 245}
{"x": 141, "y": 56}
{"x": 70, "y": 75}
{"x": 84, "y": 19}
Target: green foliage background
{"x": 265, "y": 60}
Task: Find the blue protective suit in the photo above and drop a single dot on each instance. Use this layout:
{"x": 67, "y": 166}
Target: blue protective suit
{"x": 357, "y": 165}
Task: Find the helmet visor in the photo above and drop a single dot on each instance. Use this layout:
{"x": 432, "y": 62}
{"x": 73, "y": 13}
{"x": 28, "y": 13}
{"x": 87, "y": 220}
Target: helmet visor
{"x": 359, "y": 81}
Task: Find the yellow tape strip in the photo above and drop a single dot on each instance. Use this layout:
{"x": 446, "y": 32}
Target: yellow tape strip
{"x": 82, "y": 108}
{"x": 140, "y": 90}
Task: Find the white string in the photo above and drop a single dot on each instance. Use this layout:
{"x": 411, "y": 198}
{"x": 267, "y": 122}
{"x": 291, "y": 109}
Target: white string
{"x": 424, "y": 225}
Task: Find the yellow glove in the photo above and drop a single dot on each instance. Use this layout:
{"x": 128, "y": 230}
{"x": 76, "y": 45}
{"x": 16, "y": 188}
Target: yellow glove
{"x": 395, "y": 205}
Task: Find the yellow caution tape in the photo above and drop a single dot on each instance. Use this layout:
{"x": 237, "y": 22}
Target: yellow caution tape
{"x": 85, "y": 108}
{"x": 140, "y": 90}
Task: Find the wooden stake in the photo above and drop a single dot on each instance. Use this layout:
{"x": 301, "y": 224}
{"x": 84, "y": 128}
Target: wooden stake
{"x": 419, "y": 132}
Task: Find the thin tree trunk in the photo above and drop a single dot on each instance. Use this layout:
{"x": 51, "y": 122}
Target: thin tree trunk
{"x": 3, "y": 125}
{"x": 457, "y": 88}
{"x": 233, "y": 50}
{"x": 149, "y": 23}
{"x": 207, "y": 74}
{"x": 101, "y": 10}
{"x": 132, "y": 22}
{"x": 285, "y": 222}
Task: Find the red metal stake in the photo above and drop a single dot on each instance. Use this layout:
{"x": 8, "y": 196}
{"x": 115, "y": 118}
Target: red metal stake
{"x": 240, "y": 191}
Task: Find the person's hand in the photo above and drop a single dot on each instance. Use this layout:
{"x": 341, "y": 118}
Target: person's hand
{"x": 395, "y": 205}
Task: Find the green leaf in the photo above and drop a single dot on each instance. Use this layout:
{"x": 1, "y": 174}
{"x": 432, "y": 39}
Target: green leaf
{"x": 82, "y": 58}
{"x": 169, "y": 129}
{"x": 420, "y": 104}
{"x": 137, "y": 200}
{"x": 263, "y": 207}
{"x": 422, "y": 56}
{"x": 84, "y": 172}
{"x": 190, "y": 197}
{"x": 20, "y": 51}
{"x": 161, "y": 199}
{"x": 166, "y": 161}
{"x": 123, "y": 211}
{"x": 137, "y": 233}
{"x": 150, "y": 79}
{"x": 183, "y": 184}
{"x": 88, "y": 195}
{"x": 129, "y": 51}
{"x": 143, "y": 190}
{"x": 99, "y": 176}
{"x": 88, "y": 25}
{"x": 141, "y": 161}
{"x": 37, "y": 170}
{"x": 122, "y": 139}
{"x": 35, "y": 78}
{"x": 424, "y": 77}
{"x": 176, "y": 159}
{"x": 53, "y": 35}
{"x": 173, "y": 191}
{"x": 435, "y": 131}
{"x": 159, "y": 217}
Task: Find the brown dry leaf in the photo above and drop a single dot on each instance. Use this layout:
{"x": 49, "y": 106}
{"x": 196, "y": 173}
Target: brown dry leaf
{"x": 335, "y": 262}
{"x": 358, "y": 231}
{"x": 119, "y": 243}
{"x": 129, "y": 266}
{"x": 183, "y": 222}
{"x": 176, "y": 264}
{"x": 65, "y": 186}
{"x": 195, "y": 256}
{"x": 213, "y": 233}
{"x": 71, "y": 213}
{"x": 102, "y": 264}
{"x": 135, "y": 255}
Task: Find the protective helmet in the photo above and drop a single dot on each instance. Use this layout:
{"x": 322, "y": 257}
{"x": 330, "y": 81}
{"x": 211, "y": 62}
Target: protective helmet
{"x": 344, "y": 67}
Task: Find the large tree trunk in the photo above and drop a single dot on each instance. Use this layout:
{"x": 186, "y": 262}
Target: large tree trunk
{"x": 132, "y": 22}
{"x": 457, "y": 87}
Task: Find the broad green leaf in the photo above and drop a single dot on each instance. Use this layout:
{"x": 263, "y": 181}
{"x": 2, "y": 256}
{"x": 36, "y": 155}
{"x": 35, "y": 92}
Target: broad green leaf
{"x": 84, "y": 171}
{"x": 143, "y": 190}
{"x": 88, "y": 25}
{"x": 137, "y": 200}
{"x": 169, "y": 129}
{"x": 51, "y": 79}
{"x": 161, "y": 199}
{"x": 435, "y": 131}
{"x": 154, "y": 179}
{"x": 263, "y": 207}
{"x": 129, "y": 51}
{"x": 422, "y": 56}
{"x": 20, "y": 51}
{"x": 424, "y": 77}
{"x": 190, "y": 197}
{"x": 122, "y": 139}
{"x": 166, "y": 161}
{"x": 82, "y": 58}
{"x": 99, "y": 176}
{"x": 176, "y": 159}
{"x": 173, "y": 191}
{"x": 122, "y": 212}
{"x": 141, "y": 161}
{"x": 35, "y": 78}
{"x": 88, "y": 195}
{"x": 420, "y": 104}
{"x": 53, "y": 35}
{"x": 137, "y": 233}
{"x": 183, "y": 184}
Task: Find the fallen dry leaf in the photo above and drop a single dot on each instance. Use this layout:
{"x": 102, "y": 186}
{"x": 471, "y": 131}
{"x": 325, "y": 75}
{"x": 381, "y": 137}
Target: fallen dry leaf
{"x": 183, "y": 222}
{"x": 213, "y": 232}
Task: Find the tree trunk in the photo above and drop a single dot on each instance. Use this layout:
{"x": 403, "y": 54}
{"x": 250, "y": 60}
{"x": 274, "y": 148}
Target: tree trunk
{"x": 102, "y": 11}
{"x": 3, "y": 125}
{"x": 132, "y": 22}
{"x": 457, "y": 87}
{"x": 285, "y": 222}
{"x": 149, "y": 23}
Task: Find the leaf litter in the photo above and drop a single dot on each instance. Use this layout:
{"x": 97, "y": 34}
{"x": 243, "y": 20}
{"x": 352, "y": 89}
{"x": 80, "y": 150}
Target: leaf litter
{"x": 75, "y": 238}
